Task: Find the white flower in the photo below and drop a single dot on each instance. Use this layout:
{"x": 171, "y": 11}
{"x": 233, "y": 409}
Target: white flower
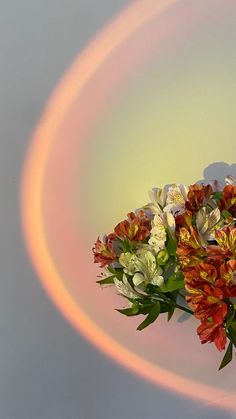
{"x": 230, "y": 180}
{"x": 142, "y": 247}
{"x": 169, "y": 221}
{"x": 158, "y": 232}
{"x": 128, "y": 260}
{"x": 216, "y": 185}
{"x": 206, "y": 223}
{"x": 148, "y": 270}
{"x": 158, "y": 195}
{"x": 176, "y": 198}
{"x": 124, "y": 287}
{"x": 158, "y": 200}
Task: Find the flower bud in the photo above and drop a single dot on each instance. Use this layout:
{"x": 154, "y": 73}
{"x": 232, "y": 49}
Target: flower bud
{"x": 162, "y": 257}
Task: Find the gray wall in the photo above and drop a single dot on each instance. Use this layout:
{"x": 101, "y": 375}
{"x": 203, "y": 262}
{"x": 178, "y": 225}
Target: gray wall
{"x": 47, "y": 370}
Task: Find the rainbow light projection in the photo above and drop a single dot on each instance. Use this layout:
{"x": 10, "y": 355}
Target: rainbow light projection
{"x": 151, "y": 100}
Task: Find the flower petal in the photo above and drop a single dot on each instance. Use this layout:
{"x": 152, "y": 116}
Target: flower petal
{"x": 138, "y": 278}
{"x": 124, "y": 287}
{"x": 157, "y": 280}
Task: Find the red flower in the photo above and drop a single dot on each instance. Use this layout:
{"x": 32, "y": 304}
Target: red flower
{"x": 208, "y": 303}
{"x": 226, "y": 239}
{"x": 228, "y": 199}
{"x": 103, "y": 250}
{"x": 136, "y": 228}
{"x": 184, "y": 219}
{"x": 225, "y": 249}
{"x": 189, "y": 250}
{"x": 228, "y": 278}
{"x": 212, "y": 305}
{"x": 200, "y": 275}
{"x": 228, "y": 272}
{"x": 216, "y": 255}
{"x": 197, "y": 196}
{"x": 210, "y": 332}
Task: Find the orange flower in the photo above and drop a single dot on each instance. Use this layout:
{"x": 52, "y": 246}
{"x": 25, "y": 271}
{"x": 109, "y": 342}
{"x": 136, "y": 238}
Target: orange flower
{"x": 184, "y": 219}
{"x": 208, "y": 303}
{"x": 225, "y": 249}
{"x": 136, "y": 228}
{"x": 226, "y": 239}
{"x": 103, "y": 250}
{"x": 197, "y": 196}
{"x": 201, "y": 274}
{"x": 190, "y": 238}
{"x": 212, "y": 305}
{"x": 228, "y": 272}
{"x": 228, "y": 278}
{"x": 215, "y": 255}
{"x": 228, "y": 199}
{"x": 210, "y": 332}
{"x": 189, "y": 250}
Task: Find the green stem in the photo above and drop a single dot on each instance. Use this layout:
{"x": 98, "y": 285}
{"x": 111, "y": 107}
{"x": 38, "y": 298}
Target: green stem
{"x": 181, "y": 295}
{"x": 167, "y": 300}
{"x": 184, "y": 309}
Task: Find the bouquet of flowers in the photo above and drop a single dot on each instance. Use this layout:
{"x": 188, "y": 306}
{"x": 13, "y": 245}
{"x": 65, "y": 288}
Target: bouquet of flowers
{"x": 178, "y": 252}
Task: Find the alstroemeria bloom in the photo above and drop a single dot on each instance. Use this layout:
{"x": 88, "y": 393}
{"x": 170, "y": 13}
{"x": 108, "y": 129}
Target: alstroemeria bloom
{"x": 210, "y": 332}
{"x": 198, "y": 195}
{"x": 175, "y": 199}
{"x": 158, "y": 232}
{"x": 190, "y": 250}
{"x": 184, "y": 220}
{"x": 228, "y": 200}
{"x": 228, "y": 278}
{"x": 190, "y": 237}
{"x": 208, "y": 303}
{"x": 216, "y": 185}
{"x": 147, "y": 270}
{"x": 135, "y": 228}
{"x": 158, "y": 200}
{"x": 228, "y": 272}
{"x": 200, "y": 275}
{"x": 124, "y": 287}
{"x": 230, "y": 180}
{"x": 206, "y": 223}
{"x": 128, "y": 261}
{"x": 103, "y": 251}
{"x": 226, "y": 239}
{"x": 171, "y": 198}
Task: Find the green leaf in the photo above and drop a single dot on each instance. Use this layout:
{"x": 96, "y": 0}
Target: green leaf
{"x": 216, "y": 195}
{"x": 170, "y": 312}
{"x": 228, "y": 356}
{"x": 107, "y": 280}
{"x": 151, "y": 317}
{"x": 164, "y": 308}
{"x": 174, "y": 282}
{"x": 131, "y": 311}
{"x": 232, "y": 335}
{"x": 126, "y": 245}
{"x": 173, "y": 295}
{"x": 171, "y": 245}
{"x": 230, "y": 316}
{"x": 146, "y": 308}
{"x": 117, "y": 272}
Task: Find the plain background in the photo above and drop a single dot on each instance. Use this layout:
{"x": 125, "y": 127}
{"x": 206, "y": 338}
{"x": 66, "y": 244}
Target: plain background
{"x": 47, "y": 370}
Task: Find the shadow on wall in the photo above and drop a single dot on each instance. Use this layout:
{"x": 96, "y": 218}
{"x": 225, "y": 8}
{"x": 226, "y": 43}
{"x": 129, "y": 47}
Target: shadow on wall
{"x": 219, "y": 171}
